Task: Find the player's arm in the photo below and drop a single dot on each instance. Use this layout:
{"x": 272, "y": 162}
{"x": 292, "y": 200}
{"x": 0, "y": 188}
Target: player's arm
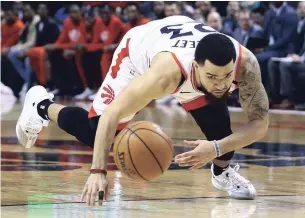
{"x": 160, "y": 80}
{"x": 254, "y": 101}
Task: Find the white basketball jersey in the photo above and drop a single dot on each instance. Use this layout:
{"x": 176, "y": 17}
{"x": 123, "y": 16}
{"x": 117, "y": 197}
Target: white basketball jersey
{"x": 180, "y": 36}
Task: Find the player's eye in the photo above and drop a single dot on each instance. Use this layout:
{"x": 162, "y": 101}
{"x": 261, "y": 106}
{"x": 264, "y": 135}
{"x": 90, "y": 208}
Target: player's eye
{"x": 229, "y": 75}
{"x": 211, "y": 77}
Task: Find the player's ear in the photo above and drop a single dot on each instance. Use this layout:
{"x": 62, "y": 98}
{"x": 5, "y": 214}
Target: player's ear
{"x": 195, "y": 65}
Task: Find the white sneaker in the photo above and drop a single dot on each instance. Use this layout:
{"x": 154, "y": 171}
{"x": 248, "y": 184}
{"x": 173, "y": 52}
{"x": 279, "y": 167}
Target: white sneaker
{"x": 30, "y": 122}
{"x": 232, "y": 182}
{"x": 85, "y": 94}
{"x": 92, "y": 97}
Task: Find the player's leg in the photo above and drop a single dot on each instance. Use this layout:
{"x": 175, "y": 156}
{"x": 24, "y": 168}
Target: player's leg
{"x": 214, "y": 121}
{"x": 39, "y": 109}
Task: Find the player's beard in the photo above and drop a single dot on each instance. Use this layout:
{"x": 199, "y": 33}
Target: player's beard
{"x": 212, "y": 99}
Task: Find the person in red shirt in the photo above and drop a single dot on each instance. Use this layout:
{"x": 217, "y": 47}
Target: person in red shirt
{"x": 134, "y": 16}
{"x": 110, "y": 34}
{"x": 10, "y": 31}
{"x": 90, "y": 53}
{"x": 73, "y": 32}
{"x": 11, "y": 28}
{"x": 107, "y": 35}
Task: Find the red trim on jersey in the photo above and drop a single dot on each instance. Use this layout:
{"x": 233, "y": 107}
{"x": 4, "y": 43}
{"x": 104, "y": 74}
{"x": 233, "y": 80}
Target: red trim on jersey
{"x": 123, "y": 54}
{"x": 180, "y": 65}
{"x": 238, "y": 65}
{"x": 122, "y": 125}
{"x": 92, "y": 113}
{"x": 195, "y": 104}
{"x": 181, "y": 69}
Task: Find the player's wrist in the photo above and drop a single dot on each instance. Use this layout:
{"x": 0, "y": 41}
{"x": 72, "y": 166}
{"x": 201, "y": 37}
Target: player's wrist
{"x": 98, "y": 171}
{"x": 216, "y": 146}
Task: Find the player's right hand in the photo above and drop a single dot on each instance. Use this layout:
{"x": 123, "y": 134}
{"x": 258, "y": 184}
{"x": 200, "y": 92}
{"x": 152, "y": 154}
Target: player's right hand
{"x": 96, "y": 185}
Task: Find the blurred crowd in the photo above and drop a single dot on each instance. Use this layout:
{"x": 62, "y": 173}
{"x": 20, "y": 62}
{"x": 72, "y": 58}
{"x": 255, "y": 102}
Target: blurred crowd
{"x": 70, "y": 53}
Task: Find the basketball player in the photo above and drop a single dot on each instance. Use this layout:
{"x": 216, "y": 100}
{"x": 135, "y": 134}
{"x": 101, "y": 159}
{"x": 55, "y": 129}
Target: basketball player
{"x": 174, "y": 56}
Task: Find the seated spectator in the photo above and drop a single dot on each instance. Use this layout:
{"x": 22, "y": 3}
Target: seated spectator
{"x": 280, "y": 26}
{"x": 186, "y": 9}
{"x": 247, "y": 29}
{"x": 301, "y": 26}
{"x": 11, "y": 28}
{"x": 230, "y": 22}
{"x": 171, "y": 9}
{"x": 134, "y": 16}
{"x": 10, "y": 31}
{"x": 257, "y": 15}
{"x": 18, "y": 9}
{"x": 47, "y": 32}
{"x": 27, "y": 40}
{"x": 202, "y": 11}
{"x": 63, "y": 56}
{"x": 283, "y": 75}
{"x": 112, "y": 31}
{"x": 215, "y": 21}
{"x": 291, "y": 74}
{"x": 106, "y": 37}
{"x": 158, "y": 8}
{"x": 90, "y": 52}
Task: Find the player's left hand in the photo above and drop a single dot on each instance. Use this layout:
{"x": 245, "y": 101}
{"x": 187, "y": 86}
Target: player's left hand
{"x": 198, "y": 157}
{"x": 96, "y": 185}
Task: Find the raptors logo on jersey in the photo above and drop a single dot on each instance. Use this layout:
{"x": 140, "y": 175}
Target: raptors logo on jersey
{"x": 178, "y": 35}
{"x": 108, "y": 94}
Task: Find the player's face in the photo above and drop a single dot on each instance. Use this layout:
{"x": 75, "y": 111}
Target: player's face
{"x": 215, "y": 80}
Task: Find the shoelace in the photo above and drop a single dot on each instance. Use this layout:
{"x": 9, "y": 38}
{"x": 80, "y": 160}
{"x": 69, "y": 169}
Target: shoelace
{"x": 236, "y": 178}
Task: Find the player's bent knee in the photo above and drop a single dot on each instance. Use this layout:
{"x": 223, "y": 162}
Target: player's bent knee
{"x": 74, "y": 120}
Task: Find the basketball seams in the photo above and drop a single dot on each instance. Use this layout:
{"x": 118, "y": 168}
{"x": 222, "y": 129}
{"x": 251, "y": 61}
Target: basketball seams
{"x": 134, "y": 132}
{"x": 116, "y": 153}
{"x": 131, "y": 156}
{"x": 126, "y": 131}
{"x": 158, "y": 135}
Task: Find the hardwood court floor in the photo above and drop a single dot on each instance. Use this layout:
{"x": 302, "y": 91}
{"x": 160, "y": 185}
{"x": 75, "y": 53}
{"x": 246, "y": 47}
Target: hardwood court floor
{"x": 46, "y": 180}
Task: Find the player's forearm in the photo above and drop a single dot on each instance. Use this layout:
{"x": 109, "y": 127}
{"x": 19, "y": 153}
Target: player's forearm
{"x": 246, "y": 135}
{"x": 104, "y": 138}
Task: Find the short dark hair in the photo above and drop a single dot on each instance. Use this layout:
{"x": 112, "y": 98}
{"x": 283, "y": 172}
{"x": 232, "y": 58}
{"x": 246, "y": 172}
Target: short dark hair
{"x": 217, "y": 48}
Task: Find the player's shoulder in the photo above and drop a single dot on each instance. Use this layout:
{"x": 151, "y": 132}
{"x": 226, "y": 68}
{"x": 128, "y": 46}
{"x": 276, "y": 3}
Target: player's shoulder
{"x": 247, "y": 55}
{"x": 166, "y": 64}
{"x": 249, "y": 65}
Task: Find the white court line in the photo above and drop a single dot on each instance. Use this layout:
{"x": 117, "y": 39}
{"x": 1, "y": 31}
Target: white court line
{"x": 273, "y": 111}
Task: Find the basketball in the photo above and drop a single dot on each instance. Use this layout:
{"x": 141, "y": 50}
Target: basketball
{"x": 142, "y": 151}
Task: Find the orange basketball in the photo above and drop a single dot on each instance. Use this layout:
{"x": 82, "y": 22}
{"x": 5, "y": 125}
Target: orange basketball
{"x": 142, "y": 151}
